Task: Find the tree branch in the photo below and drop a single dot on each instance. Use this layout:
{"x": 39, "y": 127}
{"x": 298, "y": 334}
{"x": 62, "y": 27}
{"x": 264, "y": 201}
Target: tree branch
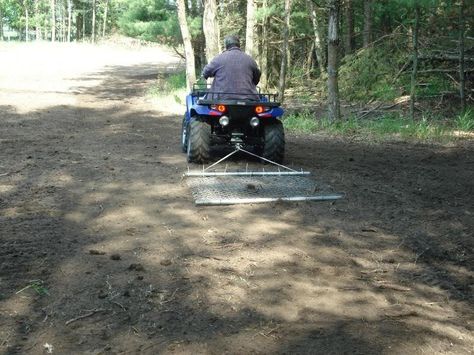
{"x": 181, "y": 55}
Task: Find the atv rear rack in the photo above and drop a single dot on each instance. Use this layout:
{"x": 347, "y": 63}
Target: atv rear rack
{"x": 208, "y": 97}
{"x": 237, "y": 102}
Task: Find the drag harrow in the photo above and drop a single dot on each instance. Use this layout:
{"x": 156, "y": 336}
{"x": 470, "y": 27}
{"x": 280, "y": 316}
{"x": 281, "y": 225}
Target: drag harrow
{"x": 211, "y": 187}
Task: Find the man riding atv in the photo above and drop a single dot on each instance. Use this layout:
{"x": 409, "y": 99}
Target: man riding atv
{"x": 235, "y": 73}
{"x": 232, "y": 111}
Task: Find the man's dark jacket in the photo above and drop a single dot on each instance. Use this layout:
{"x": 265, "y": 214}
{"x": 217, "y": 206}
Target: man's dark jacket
{"x": 235, "y": 73}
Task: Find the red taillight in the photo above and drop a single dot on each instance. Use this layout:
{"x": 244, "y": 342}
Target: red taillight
{"x": 259, "y": 109}
{"x": 220, "y": 108}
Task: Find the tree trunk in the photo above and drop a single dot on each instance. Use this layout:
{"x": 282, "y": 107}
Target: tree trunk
{"x": 27, "y": 24}
{"x": 84, "y": 24}
{"x": 69, "y": 19}
{"x": 264, "y": 50}
{"x": 211, "y": 29}
{"x": 78, "y": 25}
{"x": 188, "y": 48}
{"x": 37, "y": 25}
{"x": 309, "y": 59}
{"x": 350, "y": 36}
{"x": 367, "y": 35}
{"x": 386, "y": 18}
{"x": 462, "y": 74}
{"x": 93, "y": 21}
{"x": 53, "y": 21}
{"x": 414, "y": 71}
{"x": 250, "y": 30}
{"x": 1, "y": 24}
{"x": 104, "y": 26}
{"x": 333, "y": 44}
{"x": 284, "y": 51}
{"x": 318, "y": 43}
{"x": 63, "y": 23}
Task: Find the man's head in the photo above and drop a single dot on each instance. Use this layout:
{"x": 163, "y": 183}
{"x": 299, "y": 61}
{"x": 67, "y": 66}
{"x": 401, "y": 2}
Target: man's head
{"x": 231, "y": 41}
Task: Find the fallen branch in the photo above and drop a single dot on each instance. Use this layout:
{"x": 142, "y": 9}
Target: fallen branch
{"x": 13, "y": 172}
{"x": 91, "y": 313}
{"x": 444, "y": 56}
{"x": 209, "y": 257}
{"x": 454, "y": 70}
{"x": 269, "y": 332}
{"x": 171, "y": 298}
{"x": 377, "y": 108}
{"x": 370, "y": 111}
{"x": 401, "y": 71}
{"x": 120, "y": 305}
{"x": 393, "y": 287}
{"x": 402, "y": 314}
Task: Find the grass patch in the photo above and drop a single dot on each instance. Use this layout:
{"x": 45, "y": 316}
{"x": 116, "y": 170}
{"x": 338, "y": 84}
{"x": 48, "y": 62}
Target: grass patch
{"x": 465, "y": 121}
{"x": 428, "y": 128}
{"x": 169, "y": 92}
{"x": 303, "y": 122}
{"x": 37, "y": 286}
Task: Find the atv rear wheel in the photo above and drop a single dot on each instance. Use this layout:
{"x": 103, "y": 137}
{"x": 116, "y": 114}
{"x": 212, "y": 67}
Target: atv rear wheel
{"x": 199, "y": 141}
{"x": 184, "y": 135}
{"x": 274, "y": 142}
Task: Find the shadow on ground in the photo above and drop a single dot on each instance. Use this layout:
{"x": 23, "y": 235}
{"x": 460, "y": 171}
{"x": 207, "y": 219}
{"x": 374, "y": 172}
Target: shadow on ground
{"x": 103, "y": 251}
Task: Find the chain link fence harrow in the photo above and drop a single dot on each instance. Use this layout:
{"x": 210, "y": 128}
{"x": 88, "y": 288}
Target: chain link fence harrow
{"x": 211, "y": 187}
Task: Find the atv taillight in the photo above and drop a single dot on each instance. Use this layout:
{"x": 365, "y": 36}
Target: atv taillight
{"x": 220, "y": 108}
{"x": 259, "y": 109}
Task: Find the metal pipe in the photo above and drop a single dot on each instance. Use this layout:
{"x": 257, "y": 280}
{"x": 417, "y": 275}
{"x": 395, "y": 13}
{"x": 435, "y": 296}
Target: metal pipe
{"x": 221, "y": 160}
{"x": 236, "y": 201}
{"x": 246, "y": 173}
{"x": 267, "y": 160}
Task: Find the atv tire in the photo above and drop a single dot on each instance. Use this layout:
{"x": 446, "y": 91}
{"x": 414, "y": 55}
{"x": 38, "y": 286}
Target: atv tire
{"x": 274, "y": 142}
{"x": 199, "y": 141}
{"x": 184, "y": 135}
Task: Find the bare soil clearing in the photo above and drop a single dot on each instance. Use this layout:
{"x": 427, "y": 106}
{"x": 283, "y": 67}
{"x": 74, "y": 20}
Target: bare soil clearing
{"x": 103, "y": 251}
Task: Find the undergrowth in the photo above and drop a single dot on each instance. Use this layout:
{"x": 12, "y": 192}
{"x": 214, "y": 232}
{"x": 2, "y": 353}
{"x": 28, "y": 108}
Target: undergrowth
{"x": 388, "y": 126}
{"x": 372, "y": 73}
{"x": 169, "y": 92}
{"x": 465, "y": 122}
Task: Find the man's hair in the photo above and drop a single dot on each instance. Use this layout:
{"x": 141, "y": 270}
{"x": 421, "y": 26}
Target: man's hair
{"x": 231, "y": 41}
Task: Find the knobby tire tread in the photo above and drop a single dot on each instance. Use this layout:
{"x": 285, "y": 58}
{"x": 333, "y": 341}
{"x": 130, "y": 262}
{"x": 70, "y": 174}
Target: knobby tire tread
{"x": 199, "y": 141}
{"x": 184, "y": 145}
{"x": 274, "y": 144}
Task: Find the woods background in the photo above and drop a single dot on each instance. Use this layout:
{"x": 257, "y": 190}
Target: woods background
{"x": 412, "y": 56}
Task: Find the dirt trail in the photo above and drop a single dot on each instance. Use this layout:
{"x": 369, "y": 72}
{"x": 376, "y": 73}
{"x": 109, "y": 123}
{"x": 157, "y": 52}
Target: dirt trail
{"x": 103, "y": 251}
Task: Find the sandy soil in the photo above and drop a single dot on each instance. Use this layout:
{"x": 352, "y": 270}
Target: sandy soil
{"x": 102, "y": 250}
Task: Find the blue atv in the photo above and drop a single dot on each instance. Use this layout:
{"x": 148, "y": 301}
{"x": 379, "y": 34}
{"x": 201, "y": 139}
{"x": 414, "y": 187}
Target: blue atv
{"x": 252, "y": 121}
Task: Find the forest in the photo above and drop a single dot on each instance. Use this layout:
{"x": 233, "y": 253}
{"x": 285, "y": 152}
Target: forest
{"x": 410, "y": 57}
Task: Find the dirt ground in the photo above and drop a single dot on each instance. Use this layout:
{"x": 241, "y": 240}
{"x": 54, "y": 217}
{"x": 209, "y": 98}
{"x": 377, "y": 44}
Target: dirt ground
{"x": 102, "y": 250}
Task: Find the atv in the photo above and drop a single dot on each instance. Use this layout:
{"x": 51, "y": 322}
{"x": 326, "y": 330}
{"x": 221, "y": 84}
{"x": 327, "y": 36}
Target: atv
{"x": 252, "y": 121}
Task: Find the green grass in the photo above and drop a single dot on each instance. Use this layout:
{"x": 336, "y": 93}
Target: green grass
{"x": 428, "y": 128}
{"x": 303, "y": 122}
{"x": 168, "y": 83}
{"x": 169, "y": 92}
{"x": 465, "y": 122}
{"x": 37, "y": 286}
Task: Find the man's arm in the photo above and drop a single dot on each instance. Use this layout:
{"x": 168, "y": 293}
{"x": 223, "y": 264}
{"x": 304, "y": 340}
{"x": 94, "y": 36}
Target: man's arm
{"x": 210, "y": 69}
